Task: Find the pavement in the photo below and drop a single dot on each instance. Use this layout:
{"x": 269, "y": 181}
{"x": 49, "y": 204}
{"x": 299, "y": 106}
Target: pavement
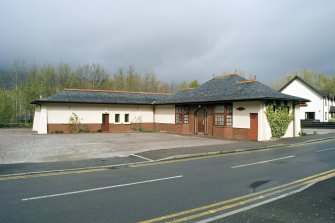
{"x": 239, "y": 146}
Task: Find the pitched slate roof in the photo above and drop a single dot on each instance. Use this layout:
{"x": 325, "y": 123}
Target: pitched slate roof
{"x": 229, "y": 88}
{"x": 222, "y": 89}
{"x": 316, "y": 90}
{"x": 101, "y": 97}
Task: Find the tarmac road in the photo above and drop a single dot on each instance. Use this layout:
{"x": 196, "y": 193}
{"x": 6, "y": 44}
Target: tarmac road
{"x": 188, "y": 190}
{"x": 313, "y": 205}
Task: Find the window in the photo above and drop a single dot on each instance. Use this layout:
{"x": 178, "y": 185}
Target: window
{"x": 126, "y": 117}
{"x": 326, "y": 116}
{"x": 182, "y": 114}
{"x": 219, "y": 115}
{"x": 117, "y": 118}
{"x": 229, "y": 115}
{"x": 309, "y": 115}
{"x": 223, "y": 115}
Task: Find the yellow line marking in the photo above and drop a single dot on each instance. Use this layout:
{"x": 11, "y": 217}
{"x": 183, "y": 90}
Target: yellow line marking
{"x": 246, "y": 201}
{"x": 300, "y": 182}
{"x": 50, "y": 174}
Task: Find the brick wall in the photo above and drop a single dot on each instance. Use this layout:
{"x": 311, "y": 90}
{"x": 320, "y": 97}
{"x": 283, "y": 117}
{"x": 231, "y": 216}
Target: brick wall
{"x": 223, "y": 132}
{"x": 239, "y": 133}
{"x": 66, "y": 128}
{"x": 215, "y": 131}
{"x": 173, "y": 128}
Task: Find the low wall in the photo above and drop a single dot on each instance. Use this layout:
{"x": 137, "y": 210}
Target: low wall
{"x": 317, "y": 125}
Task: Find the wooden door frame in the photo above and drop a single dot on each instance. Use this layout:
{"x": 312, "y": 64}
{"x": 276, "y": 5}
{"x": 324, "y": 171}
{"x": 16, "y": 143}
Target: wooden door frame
{"x": 196, "y": 121}
{"x": 253, "y": 128}
{"x": 104, "y": 125}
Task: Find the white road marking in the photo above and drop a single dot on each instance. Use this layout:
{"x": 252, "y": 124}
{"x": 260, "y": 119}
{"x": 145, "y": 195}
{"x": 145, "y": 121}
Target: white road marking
{"x": 255, "y": 205}
{"x": 100, "y": 188}
{"x": 265, "y": 161}
{"x": 322, "y": 150}
{"x": 141, "y": 157}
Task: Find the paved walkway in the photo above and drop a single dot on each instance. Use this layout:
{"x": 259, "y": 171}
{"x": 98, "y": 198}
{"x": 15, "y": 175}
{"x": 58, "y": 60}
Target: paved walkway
{"x": 232, "y": 147}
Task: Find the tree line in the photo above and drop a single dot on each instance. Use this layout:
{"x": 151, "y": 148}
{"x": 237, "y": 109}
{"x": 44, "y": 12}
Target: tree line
{"x": 21, "y": 85}
{"x": 320, "y": 81}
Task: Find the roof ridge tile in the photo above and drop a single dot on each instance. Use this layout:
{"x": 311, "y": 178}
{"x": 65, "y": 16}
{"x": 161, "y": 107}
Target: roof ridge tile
{"x": 115, "y": 91}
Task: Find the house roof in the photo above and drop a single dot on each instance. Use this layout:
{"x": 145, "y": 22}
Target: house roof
{"x": 101, "y": 97}
{"x": 220, "y": 89}
{"x": 316, "y": 90}
{"x": 229, "y": 88}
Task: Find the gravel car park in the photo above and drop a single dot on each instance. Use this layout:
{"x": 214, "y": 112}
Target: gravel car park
{"x": 23, "y": 146}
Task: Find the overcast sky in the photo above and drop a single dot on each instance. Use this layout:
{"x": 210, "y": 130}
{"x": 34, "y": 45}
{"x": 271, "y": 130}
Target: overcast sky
{"x": 177, "y": 39}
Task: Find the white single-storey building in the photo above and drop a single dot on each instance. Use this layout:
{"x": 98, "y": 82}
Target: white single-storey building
{"x": 321, "y": 105}
{"x": 227, "y": 107}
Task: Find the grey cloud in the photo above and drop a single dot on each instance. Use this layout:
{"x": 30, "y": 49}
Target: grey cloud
{"x": 179, "y": 40}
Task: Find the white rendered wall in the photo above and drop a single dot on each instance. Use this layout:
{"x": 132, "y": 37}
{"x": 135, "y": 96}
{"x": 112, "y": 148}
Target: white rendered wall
{"x": 297, "y": 121}
{"x": 265, "y": 133}
{"x": 36, "y": 120}
{"x": 299, "y": 89}
{"x": 241, "y": 119}
{"x": 165, "y": 114}
{"x": 290, "y": 128}
{"x": 90, "y": 114}
{"x": 40, "y": 120}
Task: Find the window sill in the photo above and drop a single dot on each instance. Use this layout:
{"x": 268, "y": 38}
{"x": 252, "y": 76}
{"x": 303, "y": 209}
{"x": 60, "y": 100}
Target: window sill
{"x": 223, "y": 126}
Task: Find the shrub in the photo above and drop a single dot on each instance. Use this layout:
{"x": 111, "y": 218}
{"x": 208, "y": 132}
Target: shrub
{"x": 278, "y": 118}
{"x": 74, "y": 122}
{"x": 302, "y": 133}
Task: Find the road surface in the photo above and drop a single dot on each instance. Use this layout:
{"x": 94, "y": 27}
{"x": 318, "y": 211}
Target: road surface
{"x": 197, "y": 189}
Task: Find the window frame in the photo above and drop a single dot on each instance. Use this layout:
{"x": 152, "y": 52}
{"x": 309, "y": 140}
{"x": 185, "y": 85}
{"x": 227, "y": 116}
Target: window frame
{"x": 309, "y": 114}
{"x": 117, "y": 118}
{"x": 182, "y": 114}
{"x": 223, "y": 117}
{"x": 126, "y": 118}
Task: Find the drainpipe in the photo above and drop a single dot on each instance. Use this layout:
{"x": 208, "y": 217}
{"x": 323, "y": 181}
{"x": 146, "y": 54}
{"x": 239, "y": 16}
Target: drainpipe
{"x": 294, "y": 113}
{"x": 323, "y": 109}
{"x": 154, "y": 115}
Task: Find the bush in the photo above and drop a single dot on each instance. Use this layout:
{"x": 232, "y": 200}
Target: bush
{"x": 278, "y": 118}
{"x": 74, "y": 122}
{"x": 57, "y": 132}
{"x": 302, "y": 133}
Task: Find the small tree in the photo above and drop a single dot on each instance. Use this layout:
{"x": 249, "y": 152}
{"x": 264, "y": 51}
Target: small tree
{"x": 194, "y": 84}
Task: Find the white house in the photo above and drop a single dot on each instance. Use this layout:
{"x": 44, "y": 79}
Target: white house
{"x": 321, "y": 105}
{"x": 227, "y": 107}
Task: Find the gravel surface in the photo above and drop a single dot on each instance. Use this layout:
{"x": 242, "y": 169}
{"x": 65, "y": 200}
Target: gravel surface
{"x": 22, "y": 146}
